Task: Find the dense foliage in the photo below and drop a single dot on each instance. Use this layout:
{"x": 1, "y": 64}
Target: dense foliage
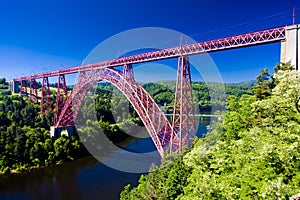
{"x": 24, "y": 136}
{"x": 117, "y": 117}
{"x": 252, "y": 153}
{"x": 25, "y": 140}
{"x": 163, "y": 93}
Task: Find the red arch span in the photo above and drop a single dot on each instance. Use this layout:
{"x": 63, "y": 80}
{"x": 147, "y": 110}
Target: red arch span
{"x": 153, "y": 118}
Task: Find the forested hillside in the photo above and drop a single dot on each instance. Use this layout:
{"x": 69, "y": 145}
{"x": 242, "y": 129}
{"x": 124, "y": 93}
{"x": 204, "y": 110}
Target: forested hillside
{"x": 25, "y": 140}
{"x": 24, "y": 136}
{"x": 252, "y": 153}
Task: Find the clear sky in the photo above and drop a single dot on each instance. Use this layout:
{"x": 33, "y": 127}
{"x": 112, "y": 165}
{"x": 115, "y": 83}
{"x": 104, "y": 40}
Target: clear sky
{"x": 39, "y": 36}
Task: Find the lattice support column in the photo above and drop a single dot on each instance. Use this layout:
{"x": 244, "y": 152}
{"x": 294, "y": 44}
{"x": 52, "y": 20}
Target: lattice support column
{"x": 61, "y": 97}
{"x": 128, "y": 72}
{"x": 46, "y": 104}
{"x": 23, "y": 87}
{"x": 33, "y": 91}
{"x": 184, "y": 129}
{"x": 79, "y": 95}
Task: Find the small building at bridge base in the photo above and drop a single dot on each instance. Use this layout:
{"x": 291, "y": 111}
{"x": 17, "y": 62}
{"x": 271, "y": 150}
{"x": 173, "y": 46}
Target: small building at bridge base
{"x": 56, "y": 133}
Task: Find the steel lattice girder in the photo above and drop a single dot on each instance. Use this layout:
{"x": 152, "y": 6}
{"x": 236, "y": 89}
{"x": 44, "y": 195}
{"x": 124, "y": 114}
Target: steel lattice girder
{"x": 184, "y": 129}
{"x": 61, "y": 98}
{"x": 46, "y": 99}
{"x": 236, "y": 41}
{"x": 154, "y": 119}
{"x": 23, "y": 87}
{"x": 33, "y": 91}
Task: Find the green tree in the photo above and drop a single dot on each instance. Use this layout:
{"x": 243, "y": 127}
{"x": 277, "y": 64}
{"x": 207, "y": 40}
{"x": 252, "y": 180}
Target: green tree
{"x": 2, "y": 80}
{"x": 284, "y": 67}
{"x": 264, "y": 85}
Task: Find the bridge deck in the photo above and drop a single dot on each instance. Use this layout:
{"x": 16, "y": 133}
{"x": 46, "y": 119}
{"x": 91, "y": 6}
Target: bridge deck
{"x": 236, "y": 41}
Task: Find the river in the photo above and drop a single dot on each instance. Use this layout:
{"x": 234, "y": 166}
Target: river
{"x": 86, "y": 178}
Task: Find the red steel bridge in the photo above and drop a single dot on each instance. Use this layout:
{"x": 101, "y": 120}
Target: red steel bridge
{"x": 167, "y": 136}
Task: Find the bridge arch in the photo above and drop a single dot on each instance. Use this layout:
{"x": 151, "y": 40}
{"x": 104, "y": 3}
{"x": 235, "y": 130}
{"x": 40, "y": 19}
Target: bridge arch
{"x": 152, "y": 116}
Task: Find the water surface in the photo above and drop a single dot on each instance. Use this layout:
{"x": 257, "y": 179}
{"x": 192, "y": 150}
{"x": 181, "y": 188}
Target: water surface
{"x": 86, "y": 178}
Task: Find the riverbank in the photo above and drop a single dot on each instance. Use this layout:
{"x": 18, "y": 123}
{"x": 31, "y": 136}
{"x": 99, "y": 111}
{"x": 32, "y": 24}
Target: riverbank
{"x": 87, "y": 177}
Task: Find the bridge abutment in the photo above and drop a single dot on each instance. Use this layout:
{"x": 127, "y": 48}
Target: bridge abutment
{"x": 13, "y": 86}
{"x": 291, "y": 45}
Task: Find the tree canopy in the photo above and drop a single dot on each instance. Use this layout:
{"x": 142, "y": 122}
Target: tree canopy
{"x": 252, "y": 153}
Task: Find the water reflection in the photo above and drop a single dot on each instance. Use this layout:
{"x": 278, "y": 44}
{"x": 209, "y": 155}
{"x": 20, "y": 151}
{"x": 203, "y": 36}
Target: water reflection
{"x": 47, "y": 183}
{"x": 82, "y": 179}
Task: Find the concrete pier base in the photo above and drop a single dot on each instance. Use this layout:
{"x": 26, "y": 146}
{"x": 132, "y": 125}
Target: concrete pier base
{"x": 56, "y": 133}
{"x": 291, "y": 45}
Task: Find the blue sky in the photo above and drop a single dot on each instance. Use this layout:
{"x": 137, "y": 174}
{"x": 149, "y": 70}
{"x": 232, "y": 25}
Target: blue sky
{"x": 39, "y": 36}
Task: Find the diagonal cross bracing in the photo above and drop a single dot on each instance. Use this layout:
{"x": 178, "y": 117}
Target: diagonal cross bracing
{"x": 154, "y": 119}
{"x": 230, "y": 42}
{"x": 164, "y": 136}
